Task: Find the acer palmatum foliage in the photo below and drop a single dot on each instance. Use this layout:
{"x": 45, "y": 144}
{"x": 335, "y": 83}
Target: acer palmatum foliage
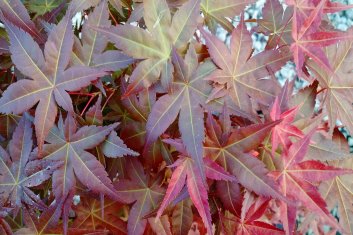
{"x": 140, "y": 119}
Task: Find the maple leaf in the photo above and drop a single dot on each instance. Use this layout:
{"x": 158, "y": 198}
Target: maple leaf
{"x": 94, "y": 115}
{"x": 68, "y": 144}
{"x": 134, "y": 111}
{"x": 160, "y": 226}
{"x": 338, "y": 191}
{"x": 154, "y": 45}
{"x": 305, "y": 7}
{"x": 276, "y": 23}
{"x": 184, "y": 99}
{"x": 19, "y": 173}
{"x": 80, "y": 5}
{"x": 40, "y": 7}
{"x": 43, "y": 224}
{"x": 323, "y": 149}
{"x": 229, "y": 148}
{"x": 217, "y": 11}
{"x": 250, "y": 220}
{"x": 92, "y": 53}
{"x": 297, "y": 177}
{"x": 15, "y": 12}
{"x": 187, "y": 172}
{"x": 182, "y": 217}
{"x": 337, "y": 88}
{"x": 285, "y": 129}
{"x": 47, "y": 223}
{"x": 50, "y": 80}
{"x": 239, "y": 74}
{"x": 309, "y": 39}
{"x": 305, "y": 100}
{"x": 137, "y": 107}
{"x": 92, "y": 215}
{"x": 321, "y": 146}
{"x": 112, "y": 146}
{"x": 139, "y": 189}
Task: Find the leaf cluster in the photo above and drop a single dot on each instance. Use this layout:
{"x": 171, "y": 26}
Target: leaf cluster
{"x": 136, "y": 117}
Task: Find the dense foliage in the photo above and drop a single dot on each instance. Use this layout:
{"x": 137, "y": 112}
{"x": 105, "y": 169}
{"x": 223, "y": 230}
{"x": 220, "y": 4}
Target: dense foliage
{"x": 139, "y": 119}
